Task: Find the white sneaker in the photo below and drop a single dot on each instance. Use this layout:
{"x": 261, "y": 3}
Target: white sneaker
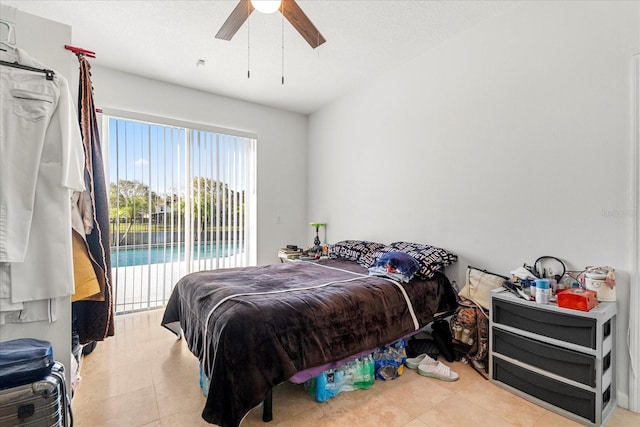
{"x": 438, "y": 370}
{"x": 422, "y": 359}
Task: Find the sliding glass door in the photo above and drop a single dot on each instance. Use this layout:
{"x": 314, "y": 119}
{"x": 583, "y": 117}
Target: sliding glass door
{"x": 182, "y": 200}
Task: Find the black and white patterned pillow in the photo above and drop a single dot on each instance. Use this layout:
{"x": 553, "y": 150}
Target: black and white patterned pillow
{"x": 352, "y": 250}
{"x": 430, "y": 258}
{"x": 447, "y": 257}
{"x": 368, "y": 259}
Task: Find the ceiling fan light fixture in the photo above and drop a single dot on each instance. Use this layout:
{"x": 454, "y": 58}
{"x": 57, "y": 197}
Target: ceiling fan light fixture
{"x": 266, "y": 6}
{"x": 292, "y": 13}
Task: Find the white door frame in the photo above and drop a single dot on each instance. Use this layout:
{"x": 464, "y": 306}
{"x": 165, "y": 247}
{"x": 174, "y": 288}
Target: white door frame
{"x": 634, "y": 300}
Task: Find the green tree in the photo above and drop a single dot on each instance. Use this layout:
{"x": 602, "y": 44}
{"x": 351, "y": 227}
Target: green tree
{"x": 133, "y": 202}
{"x": 129, "y": 200}
{"x": 213, "y": 200}
{"x": 175, "y": 206}
{"x": 210, "y": 198}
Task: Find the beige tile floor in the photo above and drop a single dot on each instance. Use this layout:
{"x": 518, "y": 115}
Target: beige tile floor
{"x": 144, "y": 377}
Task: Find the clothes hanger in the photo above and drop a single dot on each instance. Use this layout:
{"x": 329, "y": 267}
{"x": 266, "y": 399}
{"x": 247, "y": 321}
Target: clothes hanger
{"x": 8, "y": 44}
{"x": 7, "y": 41}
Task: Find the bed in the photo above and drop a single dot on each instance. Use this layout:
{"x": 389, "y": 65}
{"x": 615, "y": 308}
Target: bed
{"x": 253, "y": 328}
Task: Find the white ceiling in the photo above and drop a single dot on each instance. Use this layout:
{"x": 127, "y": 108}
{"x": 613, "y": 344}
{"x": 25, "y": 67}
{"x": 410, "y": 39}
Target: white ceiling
{"x": 164, "y": 40}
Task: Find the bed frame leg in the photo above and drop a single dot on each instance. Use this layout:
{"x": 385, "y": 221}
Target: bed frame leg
{"x": 267, "y": 407}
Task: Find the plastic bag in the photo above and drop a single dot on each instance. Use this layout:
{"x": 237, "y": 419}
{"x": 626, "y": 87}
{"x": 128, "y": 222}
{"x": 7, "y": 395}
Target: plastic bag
{"x": 354, "y": 375}
{"x": 389, "y": 360}
{"x": 204, "y": 382}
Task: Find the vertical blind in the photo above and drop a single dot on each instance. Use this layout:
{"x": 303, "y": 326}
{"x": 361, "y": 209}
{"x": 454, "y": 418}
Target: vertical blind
{"x": 181, "y": 200}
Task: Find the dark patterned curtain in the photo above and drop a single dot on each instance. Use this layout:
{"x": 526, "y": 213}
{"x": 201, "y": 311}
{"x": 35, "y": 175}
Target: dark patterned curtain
{"x": 94, "y": 319}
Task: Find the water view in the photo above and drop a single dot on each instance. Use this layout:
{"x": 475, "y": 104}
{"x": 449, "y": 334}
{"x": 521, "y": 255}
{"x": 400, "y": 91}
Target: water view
{"x": 126, "y": 256}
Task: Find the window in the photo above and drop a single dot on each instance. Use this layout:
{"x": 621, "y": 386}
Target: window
{"x": 182, "y": 199}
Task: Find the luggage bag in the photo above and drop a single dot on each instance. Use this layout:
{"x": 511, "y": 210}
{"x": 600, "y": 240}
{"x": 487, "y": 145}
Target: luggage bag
{"x": 32, "y": 386}
{"x": 42, "y": 403}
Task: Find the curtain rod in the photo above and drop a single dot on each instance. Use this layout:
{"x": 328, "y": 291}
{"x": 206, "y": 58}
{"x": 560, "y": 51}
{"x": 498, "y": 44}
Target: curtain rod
{"x": 79, "y": 50}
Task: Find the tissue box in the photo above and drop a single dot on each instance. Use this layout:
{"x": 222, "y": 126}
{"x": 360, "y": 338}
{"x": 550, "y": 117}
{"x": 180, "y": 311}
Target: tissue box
{"x": 577, "y": 299}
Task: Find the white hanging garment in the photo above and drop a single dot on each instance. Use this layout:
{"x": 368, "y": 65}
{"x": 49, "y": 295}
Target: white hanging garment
{"x": 41, "y": 163}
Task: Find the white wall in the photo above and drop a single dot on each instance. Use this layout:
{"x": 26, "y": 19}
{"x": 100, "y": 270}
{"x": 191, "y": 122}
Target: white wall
{"x": 281, "y": 181}
{"x": 44, "y": 41}
{"x": 509, "y": 142}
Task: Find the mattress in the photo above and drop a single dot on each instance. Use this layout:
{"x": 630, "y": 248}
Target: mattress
{"x": 255, "y": 327}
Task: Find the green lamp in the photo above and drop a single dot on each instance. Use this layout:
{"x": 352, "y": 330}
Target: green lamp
{"x": 316, "y": 241}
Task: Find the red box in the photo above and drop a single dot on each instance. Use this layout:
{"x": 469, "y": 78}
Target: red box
{"x": 577, "y": 299}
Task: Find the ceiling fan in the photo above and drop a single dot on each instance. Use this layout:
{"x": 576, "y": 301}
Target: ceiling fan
{"x": 289, "y": 9}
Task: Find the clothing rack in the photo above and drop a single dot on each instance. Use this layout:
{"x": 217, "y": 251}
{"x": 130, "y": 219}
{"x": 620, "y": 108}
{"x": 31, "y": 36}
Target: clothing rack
{"x": 48, "y": 73}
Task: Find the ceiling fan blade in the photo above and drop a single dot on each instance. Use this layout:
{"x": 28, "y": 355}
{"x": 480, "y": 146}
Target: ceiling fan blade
{"x": 301, "y": 23}
{"x": 235, "y": 20}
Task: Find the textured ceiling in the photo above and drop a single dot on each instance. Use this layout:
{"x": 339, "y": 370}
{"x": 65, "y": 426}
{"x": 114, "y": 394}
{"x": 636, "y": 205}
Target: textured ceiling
{"x": 164, "y": 40}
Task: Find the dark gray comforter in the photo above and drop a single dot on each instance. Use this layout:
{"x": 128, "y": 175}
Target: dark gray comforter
{"x": 255, "y": 327}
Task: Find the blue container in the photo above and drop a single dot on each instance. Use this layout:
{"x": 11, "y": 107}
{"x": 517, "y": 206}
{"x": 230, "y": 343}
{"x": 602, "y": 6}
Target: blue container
{"x": 542, "y": 283}
{"x": 543, "y": 291}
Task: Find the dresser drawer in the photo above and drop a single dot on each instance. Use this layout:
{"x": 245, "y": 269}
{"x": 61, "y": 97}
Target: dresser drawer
{"x": 567, "y": 363}
{"x": 551, "y": 324}
{"x": 573, "y": 399}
